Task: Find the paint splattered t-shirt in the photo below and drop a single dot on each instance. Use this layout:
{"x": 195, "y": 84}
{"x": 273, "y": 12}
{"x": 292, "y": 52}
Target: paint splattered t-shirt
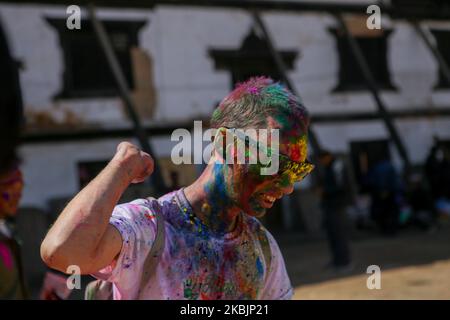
{"x": 195, "y": 263}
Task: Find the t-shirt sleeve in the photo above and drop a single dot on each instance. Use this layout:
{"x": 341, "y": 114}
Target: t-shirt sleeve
{"x": 277, "y": 284}
{"x": 136, "y": 222}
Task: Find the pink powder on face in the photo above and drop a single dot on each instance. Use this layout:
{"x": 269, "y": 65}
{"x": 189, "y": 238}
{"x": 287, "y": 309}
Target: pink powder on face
{"x": 5, "y": 256}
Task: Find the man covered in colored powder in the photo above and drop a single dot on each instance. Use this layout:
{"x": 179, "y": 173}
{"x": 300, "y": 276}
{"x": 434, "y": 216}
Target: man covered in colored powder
{"x": 215, "y": 248}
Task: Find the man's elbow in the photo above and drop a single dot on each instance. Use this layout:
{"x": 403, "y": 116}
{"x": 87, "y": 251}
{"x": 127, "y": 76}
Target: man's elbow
{"x": 61, "y": 258}
{"x": 53, "y": 255}
{"x": 57, "y": 256}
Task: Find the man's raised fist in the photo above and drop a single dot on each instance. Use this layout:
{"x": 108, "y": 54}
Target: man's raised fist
{"x": 138, "y": 164}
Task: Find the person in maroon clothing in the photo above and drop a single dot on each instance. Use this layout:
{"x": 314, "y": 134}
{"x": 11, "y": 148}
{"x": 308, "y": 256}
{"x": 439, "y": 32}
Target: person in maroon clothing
{"x": 12, "y": 280}
{"x": 12, "y": 284}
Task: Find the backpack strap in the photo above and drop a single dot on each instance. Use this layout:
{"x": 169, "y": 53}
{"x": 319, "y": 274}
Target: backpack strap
{"x": 152, "y": 259}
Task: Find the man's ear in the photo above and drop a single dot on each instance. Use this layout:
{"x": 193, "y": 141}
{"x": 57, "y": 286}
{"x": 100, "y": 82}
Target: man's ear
{"x": 219, "y": 141}
{"x": 224, "y": 145}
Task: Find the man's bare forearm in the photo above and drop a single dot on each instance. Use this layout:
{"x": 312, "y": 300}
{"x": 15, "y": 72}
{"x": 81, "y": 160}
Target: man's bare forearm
{"x": 81, "y": 228}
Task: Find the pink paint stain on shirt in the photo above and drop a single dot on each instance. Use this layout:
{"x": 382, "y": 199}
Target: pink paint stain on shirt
{"x": 6, "y": 256}
{"x": 134, "y": 207}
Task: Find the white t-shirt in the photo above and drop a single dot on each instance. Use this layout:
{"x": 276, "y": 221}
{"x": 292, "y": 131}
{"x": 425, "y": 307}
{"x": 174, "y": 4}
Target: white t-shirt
{"x": 195, "y": 263}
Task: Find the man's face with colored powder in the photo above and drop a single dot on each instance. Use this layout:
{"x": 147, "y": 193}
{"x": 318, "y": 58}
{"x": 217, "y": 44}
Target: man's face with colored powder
{"x": 254, "y": 192}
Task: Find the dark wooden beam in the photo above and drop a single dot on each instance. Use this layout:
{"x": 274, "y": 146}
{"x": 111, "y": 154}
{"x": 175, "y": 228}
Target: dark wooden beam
{"x": 61, "y": 135}
{"x": 372, "y": 87}
{"x": 419, "y": 113}
{"x": 105, "y": 43}
{"x": 89, "y": 134}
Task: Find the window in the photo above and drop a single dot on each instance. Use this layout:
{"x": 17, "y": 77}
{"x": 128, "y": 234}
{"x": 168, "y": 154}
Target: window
{"x": 421, "y": 9}
{"x": 253, "y": 58}
{"x": 374, "y": 49}
{"x": 443, "y": 44}
{"x": 86, "y": 71}
{"x": 88, "y": 170}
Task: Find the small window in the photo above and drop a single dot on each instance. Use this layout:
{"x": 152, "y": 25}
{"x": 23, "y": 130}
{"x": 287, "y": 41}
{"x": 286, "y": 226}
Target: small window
{"x": 86, "y": 71}
{"x": 443, "y": 44}
{"x": 253, "y": 58}
{"x": 88, "y": 170}
{"x": 374, "y": 49}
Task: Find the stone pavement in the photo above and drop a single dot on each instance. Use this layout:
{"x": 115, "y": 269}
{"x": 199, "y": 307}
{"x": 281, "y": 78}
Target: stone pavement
{"x": 414, "y": 265}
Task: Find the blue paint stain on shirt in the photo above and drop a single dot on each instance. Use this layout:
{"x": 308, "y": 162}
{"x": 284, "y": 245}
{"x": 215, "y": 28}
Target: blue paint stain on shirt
{"x": 259, "y": 267}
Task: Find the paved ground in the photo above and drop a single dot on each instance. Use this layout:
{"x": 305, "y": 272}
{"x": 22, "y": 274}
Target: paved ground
{"x": 431, "y": 281}
{"x": 414, "y": 265}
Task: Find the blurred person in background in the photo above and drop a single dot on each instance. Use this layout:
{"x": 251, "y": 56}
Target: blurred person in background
{"x": 12, "y": 279}
{"x": 385, "y": 189}
{"x": 421, "y": 201}
{"x": 335, "y": 197}
{"x": 437, "y": 169}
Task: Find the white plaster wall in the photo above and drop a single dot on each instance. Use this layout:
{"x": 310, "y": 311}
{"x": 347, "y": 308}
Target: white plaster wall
{"x": 416, "y": 134}
{"x": 50, "y": 169}
{"x": 188, "y": 85}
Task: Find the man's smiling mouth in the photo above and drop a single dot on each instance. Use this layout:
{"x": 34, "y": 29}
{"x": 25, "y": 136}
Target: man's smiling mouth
{"x": 267, "y": 200}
